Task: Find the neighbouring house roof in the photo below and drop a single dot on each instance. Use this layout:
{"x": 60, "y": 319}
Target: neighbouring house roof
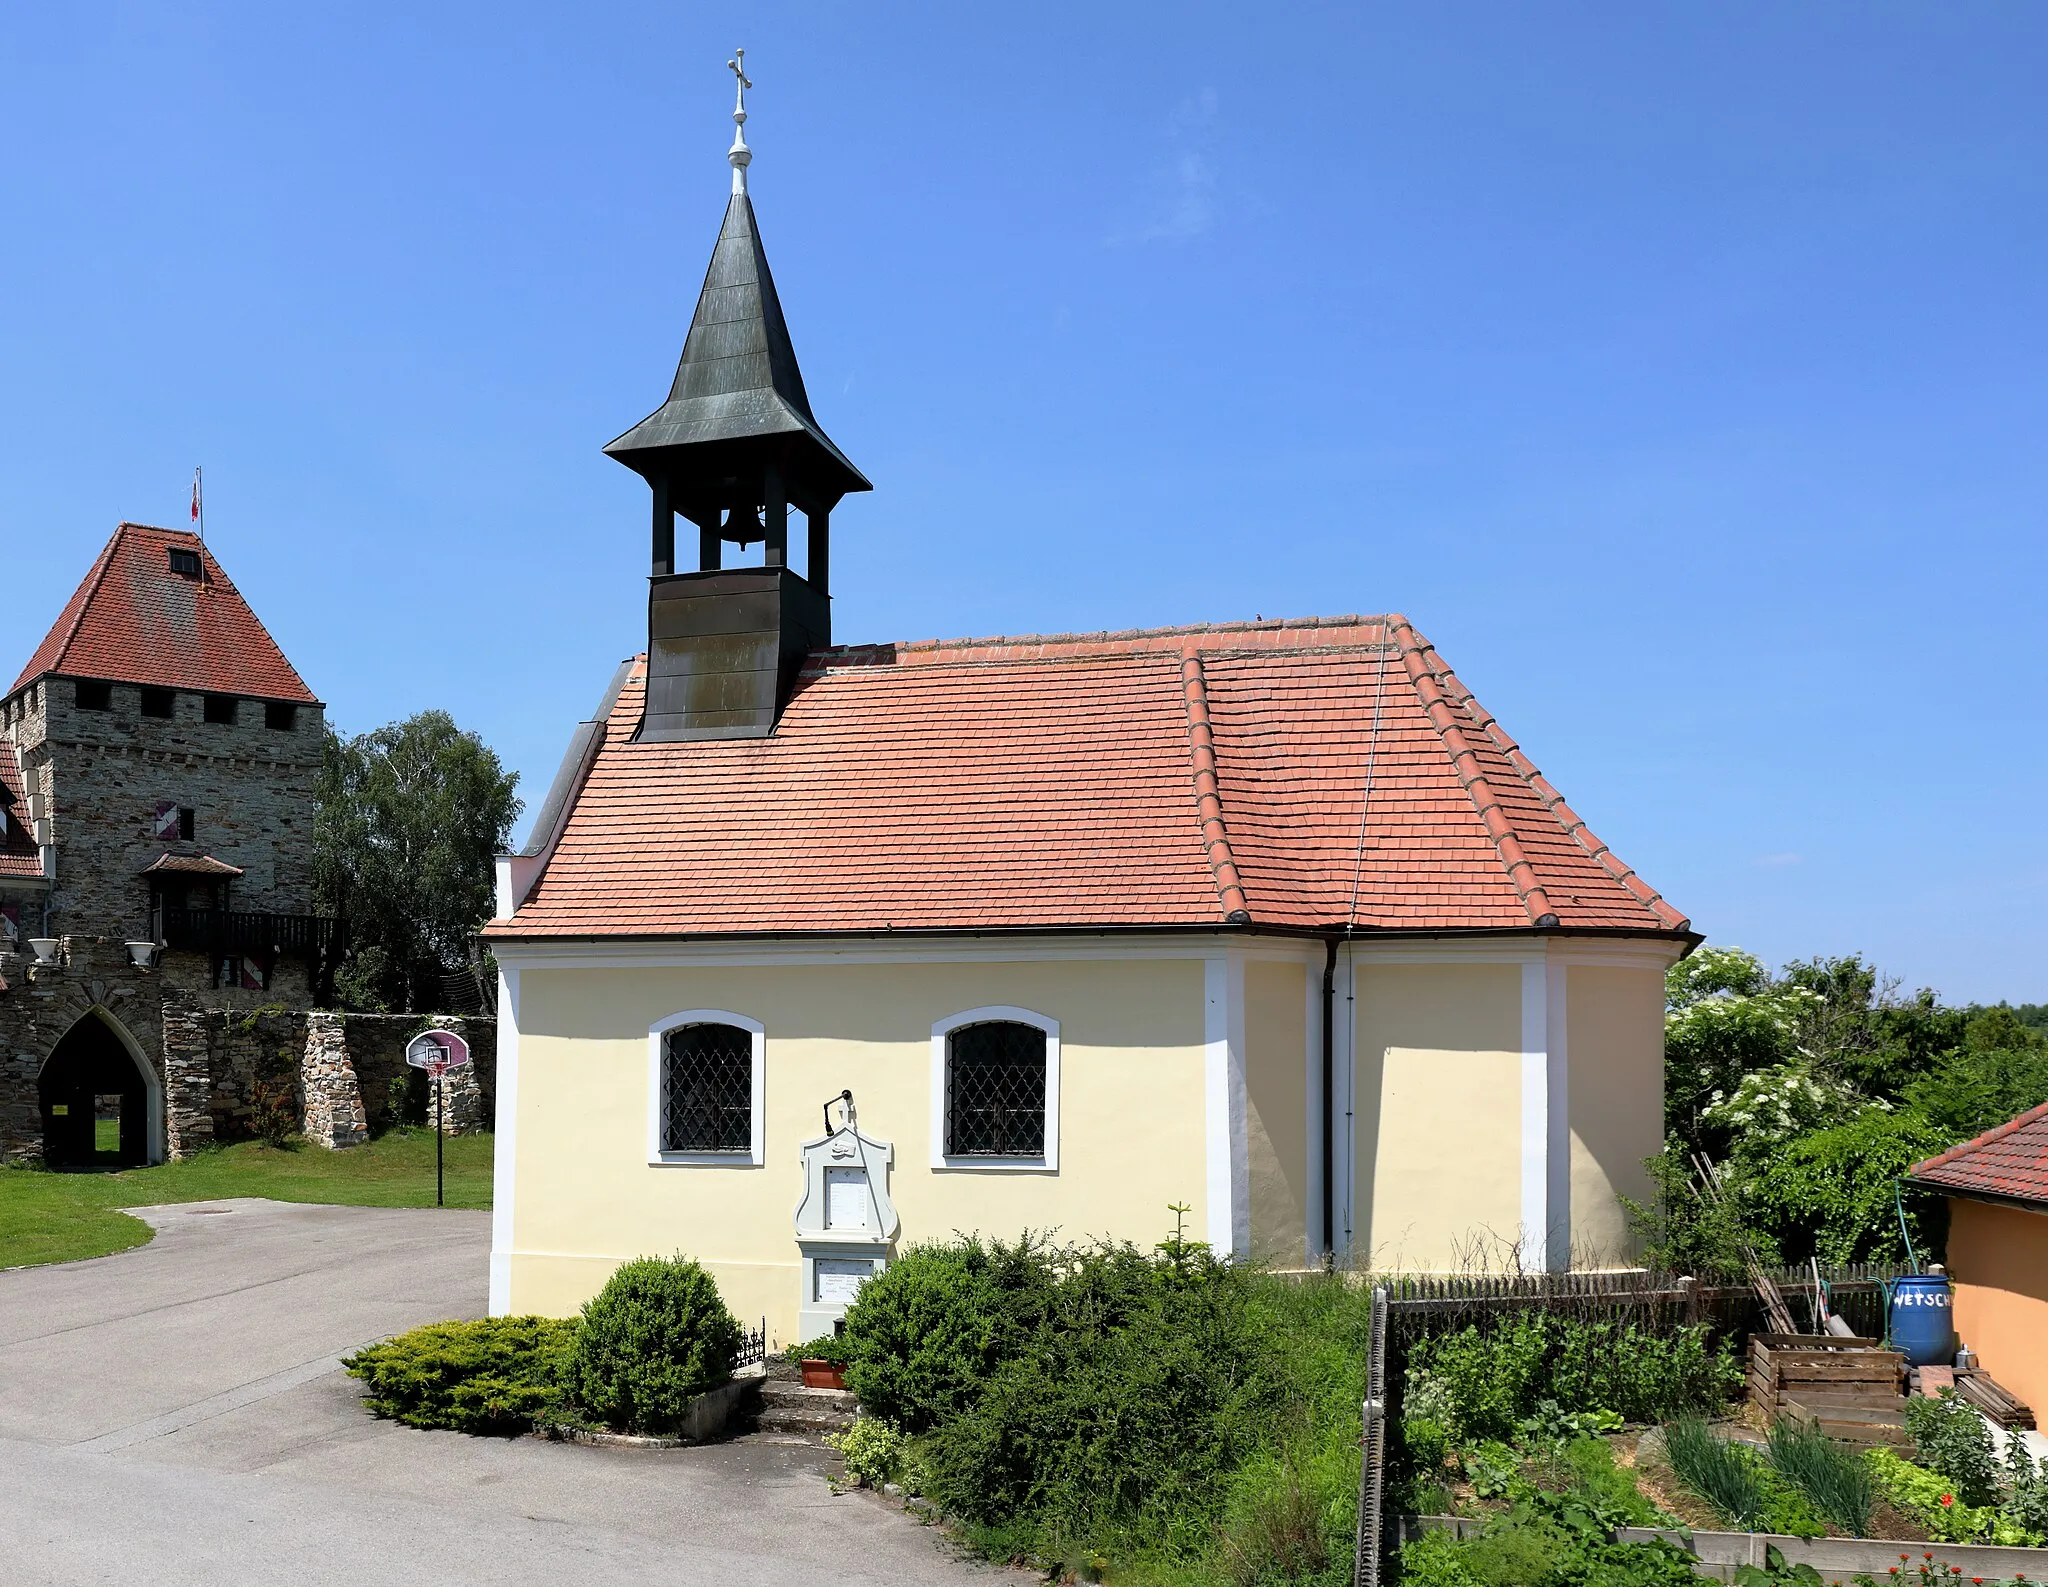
{"x": 20, "y": 859}
{"x": 2009, "y": 1163}
{"x": 133, "y": 620}
{"x": 1173, "y": 778}
{"x": 189, "y": 865}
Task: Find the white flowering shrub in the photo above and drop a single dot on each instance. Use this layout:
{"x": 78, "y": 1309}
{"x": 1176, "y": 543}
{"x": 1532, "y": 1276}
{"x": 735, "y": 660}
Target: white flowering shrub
{"x": 1771, "y": 1106}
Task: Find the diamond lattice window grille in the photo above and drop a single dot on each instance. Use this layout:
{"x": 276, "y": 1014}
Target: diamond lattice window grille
{"x": 707, "y": 1089}
{"x": 995, "y": 1090}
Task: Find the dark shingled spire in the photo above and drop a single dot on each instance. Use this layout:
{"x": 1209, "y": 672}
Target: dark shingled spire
{"x": 738, "y": 380}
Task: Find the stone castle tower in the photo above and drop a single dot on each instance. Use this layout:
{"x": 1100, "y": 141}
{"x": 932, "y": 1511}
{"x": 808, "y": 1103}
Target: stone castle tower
{"x": 158, "y": 766}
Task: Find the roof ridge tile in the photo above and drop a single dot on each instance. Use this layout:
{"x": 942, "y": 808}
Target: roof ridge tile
{"x": 1208, "y": 796}
{"x": 1567, "y": 818}
{"x": 1472, "y": 776}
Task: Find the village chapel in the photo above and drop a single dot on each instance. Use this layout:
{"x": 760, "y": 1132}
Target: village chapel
{"x": 816, "y": 950}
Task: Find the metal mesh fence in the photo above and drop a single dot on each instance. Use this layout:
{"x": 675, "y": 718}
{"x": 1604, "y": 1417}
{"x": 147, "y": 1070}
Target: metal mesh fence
{"x": 707, "y": 1089}
{"x": 995, "y": 1091}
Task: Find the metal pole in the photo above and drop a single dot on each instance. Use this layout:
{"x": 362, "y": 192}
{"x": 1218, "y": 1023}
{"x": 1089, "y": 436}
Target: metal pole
{"x": 439, "y": 1136}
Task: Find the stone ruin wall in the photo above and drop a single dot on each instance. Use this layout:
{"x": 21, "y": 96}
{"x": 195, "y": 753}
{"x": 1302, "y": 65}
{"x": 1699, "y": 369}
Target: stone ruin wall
{"x": 221, "y": 1057}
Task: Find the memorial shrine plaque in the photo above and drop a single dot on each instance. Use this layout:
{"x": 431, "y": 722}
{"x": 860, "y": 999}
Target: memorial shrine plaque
{"x": 839, "y": 1280}
{"x": 846, "y": 1198}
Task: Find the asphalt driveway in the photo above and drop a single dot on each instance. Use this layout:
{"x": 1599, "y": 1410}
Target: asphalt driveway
{"x": 176, "y": 1414}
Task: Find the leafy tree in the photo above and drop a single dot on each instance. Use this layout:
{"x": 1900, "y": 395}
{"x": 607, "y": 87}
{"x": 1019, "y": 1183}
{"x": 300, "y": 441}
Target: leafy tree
{"x": 1831, "y": 1194}
{"x": 1977, "y": 1089}
{"x": 410, "y": 820}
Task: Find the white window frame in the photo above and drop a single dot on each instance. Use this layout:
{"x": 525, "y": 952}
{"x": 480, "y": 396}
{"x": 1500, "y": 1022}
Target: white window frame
{"x": 657, "y": 1034}
{"x": 944, "y": 1028}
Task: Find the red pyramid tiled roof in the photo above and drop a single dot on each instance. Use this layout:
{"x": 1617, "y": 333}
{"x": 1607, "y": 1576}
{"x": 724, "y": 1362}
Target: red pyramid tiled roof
{"x": 2009, "y": 1163}
{"x": 19, "y": 856}
{"x": 135, "y": 621}
{"x": 1179, "y": 777}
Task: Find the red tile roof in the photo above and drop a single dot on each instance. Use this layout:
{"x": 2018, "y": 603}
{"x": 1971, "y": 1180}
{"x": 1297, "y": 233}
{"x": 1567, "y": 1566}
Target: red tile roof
{"x": 19, "y": 856}
{"x": 2010, "y": 1162}
{"x": 135, "y": 621}
{"x": 1174, "y": 777}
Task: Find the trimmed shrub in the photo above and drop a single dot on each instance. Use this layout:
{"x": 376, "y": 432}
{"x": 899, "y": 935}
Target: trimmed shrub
{"x": 494, "y": 1375}
{"x": 653, "y": 1339}
{"x": 930, "y": 1328}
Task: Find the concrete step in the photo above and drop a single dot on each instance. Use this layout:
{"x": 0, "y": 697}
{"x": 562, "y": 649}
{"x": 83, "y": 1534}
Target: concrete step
{"x": 810, "y": 1426}
{"x": 791, "y": 1409}
{"x": 781, "y": 1392}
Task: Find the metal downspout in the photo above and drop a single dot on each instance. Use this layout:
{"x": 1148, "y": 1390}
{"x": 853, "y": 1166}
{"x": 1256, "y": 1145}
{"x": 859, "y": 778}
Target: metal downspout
{"x": 1329, "y": 1101}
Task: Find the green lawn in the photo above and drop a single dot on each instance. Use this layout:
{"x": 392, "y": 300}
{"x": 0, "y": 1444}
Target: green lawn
{"x": 50, "y": 1217}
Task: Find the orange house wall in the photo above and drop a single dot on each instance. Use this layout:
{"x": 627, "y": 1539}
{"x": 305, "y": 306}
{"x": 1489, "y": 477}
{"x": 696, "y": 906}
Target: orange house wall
{"x": 1998, "y": 1258}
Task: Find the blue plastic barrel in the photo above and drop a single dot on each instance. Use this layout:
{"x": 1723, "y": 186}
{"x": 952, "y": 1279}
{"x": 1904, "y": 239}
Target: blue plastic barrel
{"x": 1923, "y": 1319}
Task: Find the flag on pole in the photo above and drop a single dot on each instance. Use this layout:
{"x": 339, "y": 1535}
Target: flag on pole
{"x": 195, "y": 495}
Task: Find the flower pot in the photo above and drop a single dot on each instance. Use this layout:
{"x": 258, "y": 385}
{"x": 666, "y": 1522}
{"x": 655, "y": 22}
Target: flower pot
{"x": 823, "y": 1374}
{"x": 46, "y": 949}
{"x": 143, "y": 954}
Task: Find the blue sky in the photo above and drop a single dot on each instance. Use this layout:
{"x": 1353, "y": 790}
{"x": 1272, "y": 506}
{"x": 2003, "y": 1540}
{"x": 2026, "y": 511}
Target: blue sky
{"x": 1679, "y": 370}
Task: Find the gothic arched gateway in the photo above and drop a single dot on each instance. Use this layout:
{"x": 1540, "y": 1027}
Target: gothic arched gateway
{"x": 95, "y": 1070}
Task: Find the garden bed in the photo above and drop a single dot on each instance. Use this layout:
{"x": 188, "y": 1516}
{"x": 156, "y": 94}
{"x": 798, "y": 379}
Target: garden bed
{"x": 1722, "y": 1554}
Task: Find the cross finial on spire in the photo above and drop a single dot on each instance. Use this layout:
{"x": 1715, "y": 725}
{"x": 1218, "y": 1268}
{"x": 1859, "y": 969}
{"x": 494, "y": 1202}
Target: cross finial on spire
{"x": 739, "y": 154}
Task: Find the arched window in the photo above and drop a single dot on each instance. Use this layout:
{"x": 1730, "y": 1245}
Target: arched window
{"x": 707, "y": 1089}
{"x": 996, "y": 1090}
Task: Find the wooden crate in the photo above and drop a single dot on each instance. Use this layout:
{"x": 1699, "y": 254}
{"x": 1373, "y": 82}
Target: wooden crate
{"x": 1807, "y": 1368}
{"x": 1868, "y": 1421}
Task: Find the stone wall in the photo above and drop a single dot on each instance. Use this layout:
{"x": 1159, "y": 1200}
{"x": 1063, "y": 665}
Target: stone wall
{"x": 219, "y": 1058}
{"x": 38, "y": 1007}
{"x": 376, "y": 1044}
{"x": 251, "y": 789}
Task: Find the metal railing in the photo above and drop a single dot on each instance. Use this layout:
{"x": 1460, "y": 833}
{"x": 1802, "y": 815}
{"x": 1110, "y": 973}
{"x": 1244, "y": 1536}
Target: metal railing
{"x": 246, "y": 931}
{"x": 753, "y": 1346}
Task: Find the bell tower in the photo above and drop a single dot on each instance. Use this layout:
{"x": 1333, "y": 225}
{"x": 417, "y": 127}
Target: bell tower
{"x": 733, "y": 452}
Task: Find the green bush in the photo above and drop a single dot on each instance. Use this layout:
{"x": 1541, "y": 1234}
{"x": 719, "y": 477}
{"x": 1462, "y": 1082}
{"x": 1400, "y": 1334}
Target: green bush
{"x": 1953, "y": 1441}
{"x": 929, "y": 1329}
{"x": 874, "y": 1452}
{"x": 653, "y": 1339}
{"x": 1146, "y": 1387}
{"x": 1494, "y": 1379}
{"x": 1834, "y": 1477}
{"x": 1083, "y": 1402}
{"x": 495, "y": 1375}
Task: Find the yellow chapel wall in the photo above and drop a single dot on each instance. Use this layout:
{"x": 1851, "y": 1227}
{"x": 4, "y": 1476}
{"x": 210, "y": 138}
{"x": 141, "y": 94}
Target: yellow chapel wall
{"x": 1276, "y": 1108}
{"x": 1131, "y": 1125}
{"x": 1615, "y": 1064}
{"x": 1437, "y": 1125}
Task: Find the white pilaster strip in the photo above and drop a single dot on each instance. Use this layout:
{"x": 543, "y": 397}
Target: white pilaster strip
{"x": 505, "y": 1154}
{"x": 1229, "y": 1164}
